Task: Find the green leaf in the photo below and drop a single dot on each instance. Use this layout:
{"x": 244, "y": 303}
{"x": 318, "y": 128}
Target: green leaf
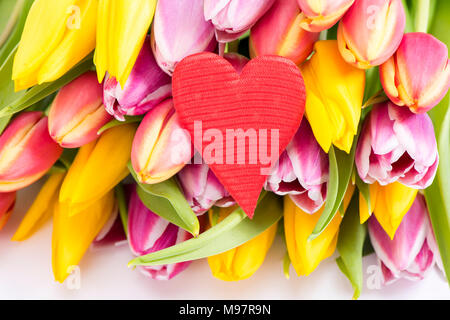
{"x": 340, "y": 172}
{"x": 233, "y": 231}
{"x": 116, "y": 123}
{"x": 350, "y": 245}
{"x": 364, "y": 189}
{"x": 167, "y": 201}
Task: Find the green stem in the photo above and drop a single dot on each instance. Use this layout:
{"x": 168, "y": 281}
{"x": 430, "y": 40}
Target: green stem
{"x": 422, "y": 15}
{"x": 123, "y": 211}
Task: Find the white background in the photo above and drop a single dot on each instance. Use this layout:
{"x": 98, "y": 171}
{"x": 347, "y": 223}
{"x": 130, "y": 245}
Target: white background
{"x": 25, "y": 273}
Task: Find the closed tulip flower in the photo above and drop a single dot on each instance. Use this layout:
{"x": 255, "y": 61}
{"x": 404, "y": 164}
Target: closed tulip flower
{"x": 397, "y": 145}
{"x": 323, "y": 14}
{"x": 161, "y": 147}
{"x": 98, "y": 167}
{"x": 147, "y": 233}
{"x": 121, "y": 31}
{"x": 7, "y": 202}
{"x": 57, "y": 35}
{"x": 408, "y": 255}
{"x": 307, "y": 254}
{"x": 302, "y": 171}
{"x": 371, "y": 31}
{"x": 334, "y": 96}
{"x": 278, "y": 32}
{"x": 417, "y": 76}
{"x": 202, "y": 189}
{"x": 176, "y": 35}
{"x": 232, "y": 18}
{"x": 77, "y": 113}
{"x": 27, "y": 151}
{"x": 146, "y": 86}
{"x": 243, "y": 261}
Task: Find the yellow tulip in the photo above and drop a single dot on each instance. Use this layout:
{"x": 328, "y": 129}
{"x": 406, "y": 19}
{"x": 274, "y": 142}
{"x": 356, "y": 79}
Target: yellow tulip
{"x": 98, "y": 167}
{"x": 42, "y": 208}
{"x": 57, "y": 35}
{"x": 390, "y": 203}
{"x": 306, "y": 254}
{"x": 73, "y": 234}
{"x": 122, "y": 28}
{"x": 241, "y": 262}
{"x": 334, "y": 96}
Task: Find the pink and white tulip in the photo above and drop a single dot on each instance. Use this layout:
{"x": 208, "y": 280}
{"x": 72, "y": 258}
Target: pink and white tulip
{"x": 180, "y": 30}
{"x": 232, "y": 18}
{"x": 146, "y": 86}
{"x": 161, "y": 148}
{"x": 417, "y": 76}
{"x": 409, "y": 254}
{"x": 77, "y": 113}
{"x": 278, "y": 32}
{"x": 147, "y": 233}
{"x": 7, "y": 202}
{"x": 397, "y": 145}
{"x": 371, "y": 31}
{"x": 202, "y": 189}
{"x": 27, "y": 151}
{"x": 302, "y": 171}
{"x": 323, "y": 14}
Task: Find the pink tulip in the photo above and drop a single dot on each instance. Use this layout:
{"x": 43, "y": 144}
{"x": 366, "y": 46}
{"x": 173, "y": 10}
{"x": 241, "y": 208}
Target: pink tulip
{"x": 7, "y": 202}
{"x": 27, "y": 151}
{"x": 396, "y": 144}
{"x": 302, "y": 171}
{"x": 371, "y": 31}
{"x": 278, "y": 32}
{"x": 202, "y": 189}
{"x": 161, "y": 148}
{"x": 323, "y": 14}
{"x": 408, "y": 255}
{"x": 418, "y": 74}
{"x": 148, "y": 233}
{"x": 232, "y": 18}
{"x": 146, "y": 86}
{"x": 179, "y": 30}
{"x": 77, "y": 113}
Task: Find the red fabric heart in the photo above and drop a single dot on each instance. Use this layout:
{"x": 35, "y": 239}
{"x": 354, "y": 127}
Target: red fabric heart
{"x": 268, "y": 94}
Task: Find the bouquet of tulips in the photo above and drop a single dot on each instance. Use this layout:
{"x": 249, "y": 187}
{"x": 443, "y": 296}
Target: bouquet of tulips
{"x": 86, "y": 105}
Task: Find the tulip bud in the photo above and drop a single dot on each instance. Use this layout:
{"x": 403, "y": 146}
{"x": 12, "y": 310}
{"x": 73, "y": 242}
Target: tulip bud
{"x": 371, "y": 31}
{"x": 177, "y": 34}
{"x": 77, "y": 113}
{"x": 397, "y": 145}
{"x": 57, "y": 35}
{"x": 7, "y": 202}
{"x": 147, "y": 233}
{"x": 408, "y": 255}
{"x": 243, "y": 261}
{"x": 323, "y": 14}
{"x": 161, "y": 148}
{"x": 334, "y": 96}
{"x": 232, "y": 18}
{"x": 418, "y": 74}
{"x": 302, "y": 171}
{"x": 306, "y": 254}
{"x": 146, "y": 86}
{"x": 27, "y": 151}
{"x": 98, "y": 167}
{"x": 202, "y": 189}
{"x": 278, "y": 32}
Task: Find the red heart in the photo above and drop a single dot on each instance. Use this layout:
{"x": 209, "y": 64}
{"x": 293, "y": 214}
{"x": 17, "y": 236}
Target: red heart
{"x": 268, "y": 94}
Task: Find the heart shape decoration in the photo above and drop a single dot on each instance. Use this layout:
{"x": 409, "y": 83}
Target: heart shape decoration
{"x": 239, "y": 121}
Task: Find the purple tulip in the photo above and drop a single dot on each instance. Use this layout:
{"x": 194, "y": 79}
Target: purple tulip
{"x": 302, "y": 171}
{"x": 397, "y": 145}
{"x": 147, "y": 232}
{"x": 202, "y": 189}
{"x": 232, "y": 18}
{"x": 409, "y": 255}
{"x": 179, "y": 30}
{"x": 146, "y": 86}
